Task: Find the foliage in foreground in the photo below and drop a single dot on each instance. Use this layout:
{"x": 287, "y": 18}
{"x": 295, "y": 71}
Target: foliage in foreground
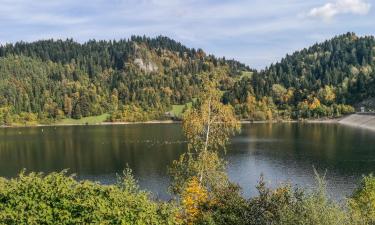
{"x": 362, "y": 202}
{"x": 280, "y": 206}
{"x": 60, "y": 199}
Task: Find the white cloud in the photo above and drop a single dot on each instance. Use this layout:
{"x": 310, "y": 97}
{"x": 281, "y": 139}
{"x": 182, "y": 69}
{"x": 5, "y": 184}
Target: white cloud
{"x": 254, "y": 31}
{"x": 330, "y": 10}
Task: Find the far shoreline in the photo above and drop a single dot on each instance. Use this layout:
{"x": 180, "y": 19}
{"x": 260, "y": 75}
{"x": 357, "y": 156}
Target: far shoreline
{"x": 326, "y": 121}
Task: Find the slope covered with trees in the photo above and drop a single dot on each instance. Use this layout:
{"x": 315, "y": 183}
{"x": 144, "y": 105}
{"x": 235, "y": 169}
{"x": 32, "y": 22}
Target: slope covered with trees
{"x": 315, "y": 81}
{"x": 141, "y": 78}
{"x": 48, "y": 80}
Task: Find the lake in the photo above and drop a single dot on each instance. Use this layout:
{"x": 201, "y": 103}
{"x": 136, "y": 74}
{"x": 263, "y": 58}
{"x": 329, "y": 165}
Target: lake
{"x": 281, "y": 152}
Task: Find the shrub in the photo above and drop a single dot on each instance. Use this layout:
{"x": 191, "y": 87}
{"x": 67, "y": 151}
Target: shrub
{"x": 60, "y": 199}
{"x": 133, "y": 113}
{"x": 226, "y": 207}
{"x": 193, "y": 198}
{"x": 314, "y": 208}
{"x": 362, "y": 202}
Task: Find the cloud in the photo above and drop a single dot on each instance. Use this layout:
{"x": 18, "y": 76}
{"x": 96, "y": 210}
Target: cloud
{"x": 330, "y": 10}
{"x": 256, "y": 32}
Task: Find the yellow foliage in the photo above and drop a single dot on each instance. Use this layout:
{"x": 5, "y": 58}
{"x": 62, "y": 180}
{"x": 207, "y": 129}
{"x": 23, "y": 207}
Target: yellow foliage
{"x": 210, "y": 123}
{"x": 327, "y": 94}
{"x": 269, "y": 115}
{"x": 288, "y": 96}
{"x": 362, "y": 202}
{"x": 314, "y": 104}
{"x": 251, "y": 105}
{"x": 193, "y": 198}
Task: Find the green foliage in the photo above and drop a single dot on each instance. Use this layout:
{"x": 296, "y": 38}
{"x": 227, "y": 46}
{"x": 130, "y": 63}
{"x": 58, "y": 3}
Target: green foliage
{"x": 208, "y": 165}
{"x": 209, "y": 124}
{"x": 338, "y": 72}
{"x": 344, "y": 62}
{"x": 133, "y": 113}
{"x": 86, "y": 120}
{"x": 281, "y": 205}
{"x": 65, "y": 79}
{"x": 59, "y": 199}
{"x": 227, "y": 207}
{"x": 178, "y": 110}
{"x": 313, "y": 208}
{"x": 5, "y": 116}
{"x": 362, "y": 202}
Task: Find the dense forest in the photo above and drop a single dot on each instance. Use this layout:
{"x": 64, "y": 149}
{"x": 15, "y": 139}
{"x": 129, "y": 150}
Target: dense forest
{"x": 314, "y": 82}
{"x": 141, "y": 78}
{"x": 48, "y": 80}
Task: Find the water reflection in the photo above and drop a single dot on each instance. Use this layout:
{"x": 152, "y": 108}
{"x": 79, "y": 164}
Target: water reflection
{"x": 282, "y": 152}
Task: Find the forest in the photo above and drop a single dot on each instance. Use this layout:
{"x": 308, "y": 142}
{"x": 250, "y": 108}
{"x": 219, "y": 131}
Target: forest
{"x": 141, "y": 78}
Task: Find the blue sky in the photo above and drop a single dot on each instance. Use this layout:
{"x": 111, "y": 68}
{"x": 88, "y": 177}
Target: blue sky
{"x": 256, "y": 32}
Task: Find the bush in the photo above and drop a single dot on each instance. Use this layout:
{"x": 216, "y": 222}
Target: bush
{"x": 362, "y": 202}
{"x": 266, "y": 207}
{"x": 282, "y": 205}
{"x": 292, "y": 207}
{"x": 313, "y": 208}
{"x": 60, "y": 199}
{"x": 132, "y": 113}
{"x": 227, "y": 207}
{"x": 260, "y": 116}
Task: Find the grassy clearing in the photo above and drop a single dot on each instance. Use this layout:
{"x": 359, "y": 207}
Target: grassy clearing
{"x": 19, "y": 124}
{"x": 246, "y": 74}
{"x": 85, "y": 120}
{"x": 177, "y": 110}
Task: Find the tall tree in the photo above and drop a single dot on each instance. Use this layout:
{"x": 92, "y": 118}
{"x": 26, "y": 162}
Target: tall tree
{"x": 208, "y": 127}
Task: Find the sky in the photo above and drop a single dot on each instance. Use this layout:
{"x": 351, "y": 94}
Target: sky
{"x": 255, "y": 32}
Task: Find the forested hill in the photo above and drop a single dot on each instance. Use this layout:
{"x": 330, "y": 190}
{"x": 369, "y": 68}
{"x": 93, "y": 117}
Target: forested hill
{"x": 345, "y": 62}
{"x": 141, "y": 78}
{"x": 337, "y": 71}
{"x": 64, "y": 79}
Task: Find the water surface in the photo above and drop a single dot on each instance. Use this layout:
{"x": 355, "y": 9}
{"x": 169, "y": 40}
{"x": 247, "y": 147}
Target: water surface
{"x": 281, "y": 152}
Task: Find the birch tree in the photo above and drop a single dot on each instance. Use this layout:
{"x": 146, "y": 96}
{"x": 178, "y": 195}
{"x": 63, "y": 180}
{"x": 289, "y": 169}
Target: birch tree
{"x": 207, "y": 126}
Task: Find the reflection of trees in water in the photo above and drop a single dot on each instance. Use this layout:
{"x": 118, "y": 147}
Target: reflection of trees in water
{"x": 92, "y": 150}
{"x": 329, "y": 145}
{"x": 148, "y": 149}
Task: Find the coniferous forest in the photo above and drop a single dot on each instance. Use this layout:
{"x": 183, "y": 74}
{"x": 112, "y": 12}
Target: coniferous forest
{"x": 141, "y": 78}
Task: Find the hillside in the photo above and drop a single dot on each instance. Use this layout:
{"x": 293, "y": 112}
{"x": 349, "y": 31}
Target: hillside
{"x": 142, "y": 78}
{"x": 337, "y": 71}
{"x": 345, "y": 62}
{"x": 55, "y": 79}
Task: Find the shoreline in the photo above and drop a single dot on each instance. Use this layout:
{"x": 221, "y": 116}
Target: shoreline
{"x": 336, "y": 120}
{"x": 95, "y": 124}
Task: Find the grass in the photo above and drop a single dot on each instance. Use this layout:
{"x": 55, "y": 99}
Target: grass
{"x": 246, "y": 74}
{"x": 19, "y": 124}
{"x": 85, "y": 120}
{"x": 177, "y": 110}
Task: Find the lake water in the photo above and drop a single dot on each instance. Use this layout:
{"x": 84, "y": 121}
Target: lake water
{"x": 282, "y": 152}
